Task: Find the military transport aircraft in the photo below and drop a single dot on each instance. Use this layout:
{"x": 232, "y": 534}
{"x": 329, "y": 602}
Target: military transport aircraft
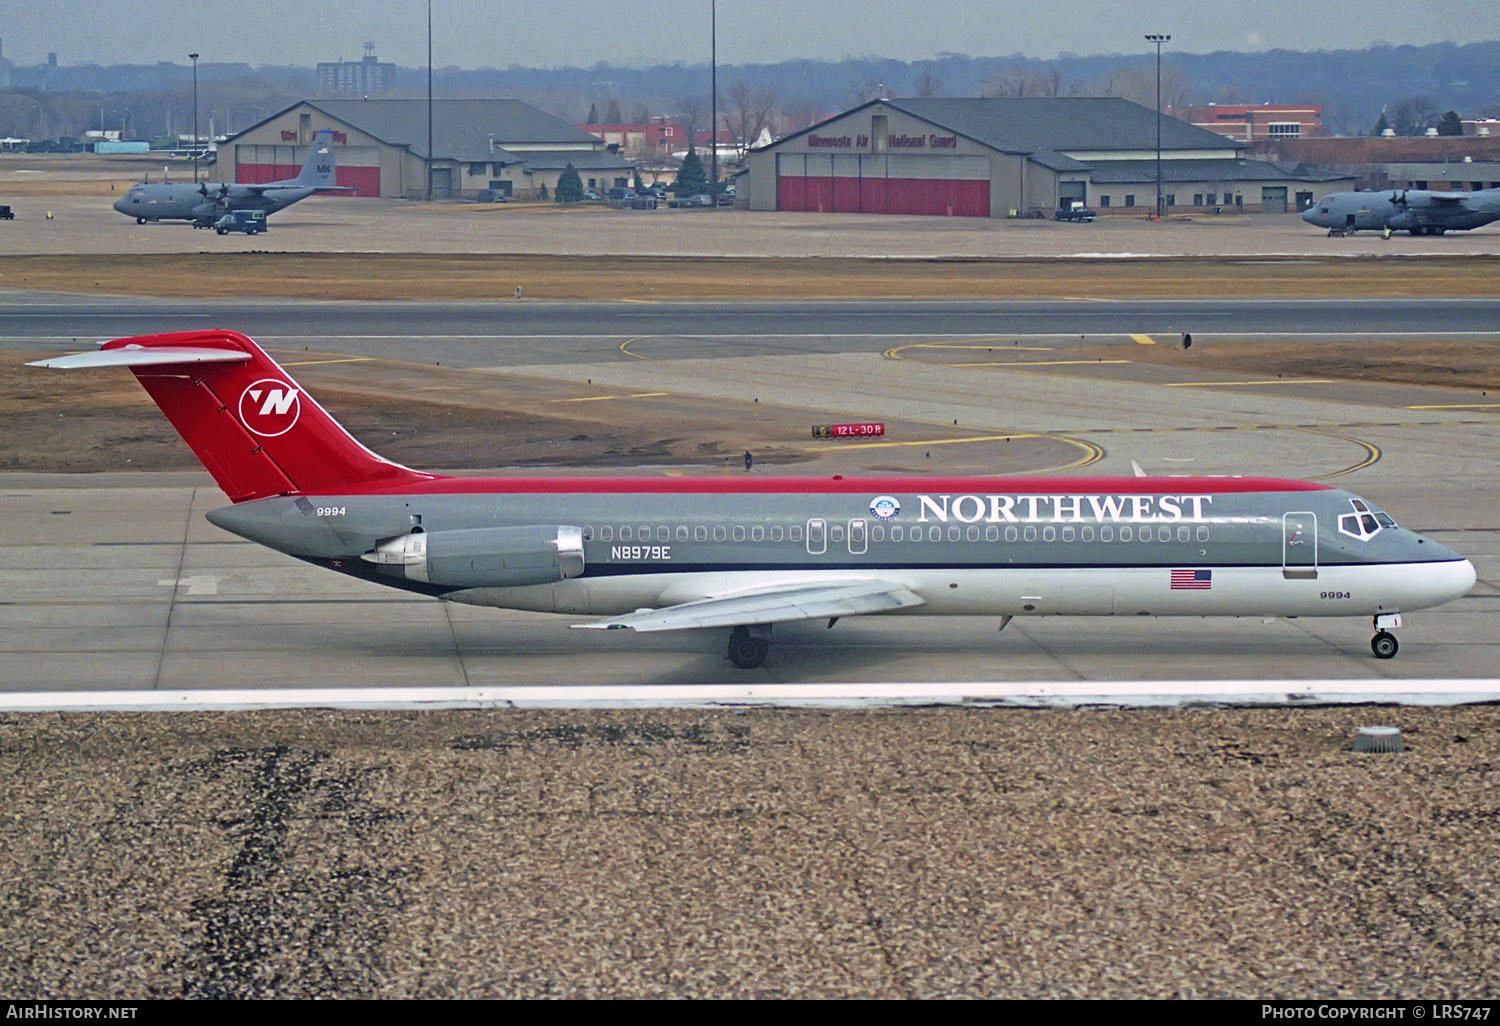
{"x": 204, "y": 203}
{"x": 1418, "y": 211}
{"x": 744, "y": 553}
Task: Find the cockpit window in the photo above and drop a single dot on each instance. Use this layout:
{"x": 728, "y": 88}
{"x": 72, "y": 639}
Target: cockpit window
{"x": 1365, "y": 522}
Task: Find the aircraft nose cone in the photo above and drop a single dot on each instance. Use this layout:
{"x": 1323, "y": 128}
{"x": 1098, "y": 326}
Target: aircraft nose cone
{"x": 119, "y": 205}
{"x": 1310, "y": 215}
{"x": 1464, "y": 576}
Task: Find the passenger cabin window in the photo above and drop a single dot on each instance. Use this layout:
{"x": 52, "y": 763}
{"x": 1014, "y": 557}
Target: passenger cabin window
{"x": 817, "y": 537}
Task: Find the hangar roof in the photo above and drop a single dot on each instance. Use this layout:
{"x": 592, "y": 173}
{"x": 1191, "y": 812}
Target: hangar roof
{"x": 1061, "y": 123}
{"x": 460, "y": 128}
{"x": 553, "y": 160}
{"x": 1055, "y": 161}
{"x": 1128, "y": 172}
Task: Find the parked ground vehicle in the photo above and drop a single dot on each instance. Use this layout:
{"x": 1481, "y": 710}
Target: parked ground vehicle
{"x": 6, "y": 214}
{"x": 1076, "y": 212}
{"x": 251, "y": 222}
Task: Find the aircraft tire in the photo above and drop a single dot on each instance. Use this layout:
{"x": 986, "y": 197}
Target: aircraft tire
{"x": 140, "y": 220}
{"x": 747, "y": 652}
{"x": 1384, "y": 645}
{"x": 222, "y": 231}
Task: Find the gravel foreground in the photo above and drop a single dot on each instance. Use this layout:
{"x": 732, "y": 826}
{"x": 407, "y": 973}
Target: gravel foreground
{"x": 985, "y": 853}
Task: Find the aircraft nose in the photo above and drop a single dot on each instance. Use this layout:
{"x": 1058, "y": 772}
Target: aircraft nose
{"x": 1464, "y": 576}
{"x": 1310, "y": 215}
{"x": 119, "y": 204}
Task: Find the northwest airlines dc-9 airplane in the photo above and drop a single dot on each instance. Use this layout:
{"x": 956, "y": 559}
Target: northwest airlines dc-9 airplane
{"x": 744, "y": 553}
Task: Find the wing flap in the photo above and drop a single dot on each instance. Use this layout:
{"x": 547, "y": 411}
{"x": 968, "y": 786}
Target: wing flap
{"x": 780, "y": 605}
{"x": 141, "y": 356}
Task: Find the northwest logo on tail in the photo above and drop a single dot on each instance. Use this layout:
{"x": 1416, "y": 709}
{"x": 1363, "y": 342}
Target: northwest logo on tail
{"x": 270, "y": 407}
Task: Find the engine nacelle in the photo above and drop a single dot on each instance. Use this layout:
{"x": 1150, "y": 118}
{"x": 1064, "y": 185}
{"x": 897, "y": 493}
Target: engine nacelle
{"x": 483, "y": 557}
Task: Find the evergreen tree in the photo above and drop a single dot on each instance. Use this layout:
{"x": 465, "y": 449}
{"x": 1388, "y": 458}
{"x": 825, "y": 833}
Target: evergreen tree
{"x": 569, "y": 186}
{"x": 637, "y": 184}
{"x": 614, "y": 115}
{"x": 1450, "y": 124}
{"x": 1381, "y": 125}
{"x": 593, "y": 114}
{"x": 691, "y": 178}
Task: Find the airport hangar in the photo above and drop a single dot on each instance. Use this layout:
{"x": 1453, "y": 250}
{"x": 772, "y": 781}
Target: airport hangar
{"x": 506, "y": 147}
{"x": 1007, "y": 157}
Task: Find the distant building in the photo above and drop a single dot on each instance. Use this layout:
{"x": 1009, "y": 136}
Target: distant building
{"x": 1255, "y": 122}
{"x": 505, "y": 147}
{"x": 1481, "y": 126}
{"x": 4, "y": 68}
{"x": 649, "y": 139}
{"x": 1445, "y": 162}
{"x": 367, "y": 77}
{"x": 1017, "y": 157}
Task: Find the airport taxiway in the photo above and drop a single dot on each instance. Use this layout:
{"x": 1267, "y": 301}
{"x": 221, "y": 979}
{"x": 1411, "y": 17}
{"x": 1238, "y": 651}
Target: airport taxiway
{"x": 121, "y": 583}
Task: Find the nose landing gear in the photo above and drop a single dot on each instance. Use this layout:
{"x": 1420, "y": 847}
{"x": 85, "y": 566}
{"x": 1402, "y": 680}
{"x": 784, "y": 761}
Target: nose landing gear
{"x": 748, "y": 645}
{"x": 1383, "y": 644}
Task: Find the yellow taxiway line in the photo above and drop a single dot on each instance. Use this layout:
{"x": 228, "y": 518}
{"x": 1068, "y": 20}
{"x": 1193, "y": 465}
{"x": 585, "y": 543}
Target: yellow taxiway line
{"x": 602, "y": 398}
{"x": 1230, "y": 384}
{"x": 1144, "y": 340}
{"x": 315, "y": 363}
{"x": 1456, "y": 406}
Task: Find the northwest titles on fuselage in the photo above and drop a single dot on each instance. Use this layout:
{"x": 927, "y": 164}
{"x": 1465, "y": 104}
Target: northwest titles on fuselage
{"x": 1032, "y": 509}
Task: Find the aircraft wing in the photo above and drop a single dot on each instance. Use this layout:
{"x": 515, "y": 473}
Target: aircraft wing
{"x": 291, "y": 183}
{"x": 1439, "y": 199}
{"x": 778, "y": 605}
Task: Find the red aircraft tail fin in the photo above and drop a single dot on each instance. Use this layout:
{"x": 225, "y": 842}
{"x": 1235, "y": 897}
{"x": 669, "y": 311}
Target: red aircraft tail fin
{"x": 253, "y": 427}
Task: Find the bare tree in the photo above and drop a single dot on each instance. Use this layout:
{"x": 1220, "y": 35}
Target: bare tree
{"x": 928, "y": 84}
{"x": 1019, "y": 81}
{"x": 749, "y": 107}
{"x": 690, "y": 114}
{"x": 863, "y": 91}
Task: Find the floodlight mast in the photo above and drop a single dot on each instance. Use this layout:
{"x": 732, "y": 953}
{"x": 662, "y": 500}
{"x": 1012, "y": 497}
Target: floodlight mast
{"x": 1158, "y": 39}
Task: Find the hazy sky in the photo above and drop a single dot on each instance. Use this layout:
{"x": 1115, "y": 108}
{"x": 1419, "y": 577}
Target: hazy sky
{"x": 543, "y": 33}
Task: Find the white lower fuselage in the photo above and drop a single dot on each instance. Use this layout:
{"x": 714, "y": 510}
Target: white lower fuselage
{"x": 1360, "y": 590}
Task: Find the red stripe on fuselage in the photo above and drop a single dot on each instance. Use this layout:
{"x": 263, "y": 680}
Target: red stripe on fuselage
{"x": 841, "y": 486}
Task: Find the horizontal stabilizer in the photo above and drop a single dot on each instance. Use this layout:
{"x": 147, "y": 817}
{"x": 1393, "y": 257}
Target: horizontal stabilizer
{"x": 140, "y": 356}
{"x": 795, "y": 602}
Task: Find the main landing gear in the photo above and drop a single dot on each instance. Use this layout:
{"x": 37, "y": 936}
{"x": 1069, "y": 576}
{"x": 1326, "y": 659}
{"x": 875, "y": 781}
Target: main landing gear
{"x": 748, "y": 645}
{"x": 1383, "y": 644}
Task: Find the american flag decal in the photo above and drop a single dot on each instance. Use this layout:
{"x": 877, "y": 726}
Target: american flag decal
{"x": 1192, "y": 580}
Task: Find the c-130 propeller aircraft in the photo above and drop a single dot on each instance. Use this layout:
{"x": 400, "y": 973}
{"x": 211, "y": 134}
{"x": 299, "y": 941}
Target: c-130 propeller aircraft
{"x": 203, "y": 203}
{"x": 745, "y": 553}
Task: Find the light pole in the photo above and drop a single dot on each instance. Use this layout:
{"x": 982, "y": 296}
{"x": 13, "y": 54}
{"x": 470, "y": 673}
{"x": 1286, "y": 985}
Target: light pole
{"x": 429, "y": 101}
{"x": 1158, "y": 40}
{"x": 713, "y": 87}
{"x": 193, "y": 153}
